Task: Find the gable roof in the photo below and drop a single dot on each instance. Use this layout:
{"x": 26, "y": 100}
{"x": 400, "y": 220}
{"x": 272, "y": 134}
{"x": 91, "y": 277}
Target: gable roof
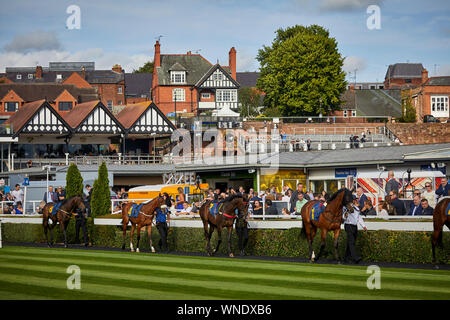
{"x": 76, "y": 79}
{"x": 404, "y": 70}
{"x": 196, "y": 66}
{"x": 79, "y": 113}
{"x": 211, "y": 71}
{"x": 49, "y": 91}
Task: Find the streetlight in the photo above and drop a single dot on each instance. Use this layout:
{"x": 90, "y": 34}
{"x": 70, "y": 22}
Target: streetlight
{"x": 48, "y": 168}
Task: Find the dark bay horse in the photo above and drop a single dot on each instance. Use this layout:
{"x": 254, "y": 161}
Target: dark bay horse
{"x": 144, "y": 218}
{"x": 440, "y": 217}
{"x": 223, "y": 219}
{"x": 69, "y": 207}
{"x": 329, "y": 219}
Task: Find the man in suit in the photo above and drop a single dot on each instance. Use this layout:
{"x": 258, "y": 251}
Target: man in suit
{"x": 443, "y": 189}
{"x": 416, "y": 207}
{"x": 397, "y": 203}
{"x": 361, "y": 198}
{"x": 426, "y": 209}
{"x": 391, "y": 184}
{"x": 50, "y": 196}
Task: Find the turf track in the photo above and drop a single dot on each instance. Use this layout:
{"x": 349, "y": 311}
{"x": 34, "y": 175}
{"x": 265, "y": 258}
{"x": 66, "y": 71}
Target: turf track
{"x": 40, "y": 273}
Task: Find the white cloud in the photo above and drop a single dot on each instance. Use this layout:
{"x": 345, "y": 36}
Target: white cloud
{"x": 442, "y": 70}
{"x": 353, "y": 62}
{"x": 346, "y": 5}
{"x": 245, "y": 61}
{"x": 102, "y": 60}
{"x": 33, "y": 41}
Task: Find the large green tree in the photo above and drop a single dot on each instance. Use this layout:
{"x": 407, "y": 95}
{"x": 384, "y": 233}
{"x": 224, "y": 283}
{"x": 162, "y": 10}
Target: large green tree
{"x": 74, "y": 182}
{"x": 146, "y": 68}
{"x": 249, "y": 101}
{"x": 301, "y": 72}
{"x": 101, "y": 196}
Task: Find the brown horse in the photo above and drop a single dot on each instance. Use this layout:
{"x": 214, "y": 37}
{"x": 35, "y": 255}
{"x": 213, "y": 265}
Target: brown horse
{"x": 224, "y": 218}
{"x": 144, "y": 218}
{"x": 440, "y": 217}
{"x": 329, "y": 219}
{"x": 61, "y": 216}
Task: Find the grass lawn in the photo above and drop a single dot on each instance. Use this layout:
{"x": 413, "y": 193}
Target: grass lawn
{"x": 40, "y": 273}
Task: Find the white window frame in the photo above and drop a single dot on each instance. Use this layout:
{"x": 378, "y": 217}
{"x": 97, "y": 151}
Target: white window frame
{"x": 217, "y": 76}
{"x": 353, "y": 113}
{"x": 206, "y": 95}
{"x": 58, "y": 76}
{"x": 19, "y": 77}
{"x": 226, "y": 95}
{"x": 178, "y": 77}
{"x": 30, "y": 76}
{"x": 345, "y": 114}
{"x": 180, "y": 93}
{"x": 119, "y": 90}
{"x": 439, "y": 106}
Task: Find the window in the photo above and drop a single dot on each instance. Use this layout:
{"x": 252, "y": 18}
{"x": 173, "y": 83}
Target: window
{"x": 353, "y": 113}
{"x": 178, "y": 94}
{"x": 439, "y": 106}
{"x": 178, "y": 77}
{"x": 408, "y": 80}
{"x": 372, "y": 87}
{"x": 30, "y": 76}
{"x": 19, "y": 77}
{"x": 226, "y": 95}
{"x": 206, "y": 95}
{"x": 217, "y": 76}
{"x": 11, "y": 106}
{"x": 119, "y": 90}
{"x": 345, "y": 113}
{"x": 58, "y": 76}
{"x": 65, "y": 106}
{"x": 109, "y": 104}
{"x": 120, "y": 102}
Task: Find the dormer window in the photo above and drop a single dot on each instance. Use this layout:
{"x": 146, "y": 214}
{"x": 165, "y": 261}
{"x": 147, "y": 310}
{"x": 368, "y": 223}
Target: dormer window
{"x": 178, "y": 77}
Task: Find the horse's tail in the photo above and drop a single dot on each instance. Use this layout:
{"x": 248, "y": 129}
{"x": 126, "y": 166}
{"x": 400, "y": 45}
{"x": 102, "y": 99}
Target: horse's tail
{"x": 303, "y": 231}
{"x": 439, "y": 240}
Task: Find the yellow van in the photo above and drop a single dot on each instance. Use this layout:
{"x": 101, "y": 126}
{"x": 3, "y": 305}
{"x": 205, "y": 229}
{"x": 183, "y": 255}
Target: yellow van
{"x": 152, "y": 191}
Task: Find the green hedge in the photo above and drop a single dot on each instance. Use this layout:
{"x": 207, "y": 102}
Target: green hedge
{"x": 386, "y": 246}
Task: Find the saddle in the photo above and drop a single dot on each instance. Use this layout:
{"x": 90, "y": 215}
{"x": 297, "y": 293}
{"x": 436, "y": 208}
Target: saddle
{"x": 214, "y": 208}
{"x": 316, "y": 210}
{"x": 54, "y": 208}
{"x": 134, "y": 210}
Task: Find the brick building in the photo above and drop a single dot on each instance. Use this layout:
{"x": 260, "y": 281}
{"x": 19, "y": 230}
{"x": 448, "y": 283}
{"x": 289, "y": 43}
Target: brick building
{"x": 190, "y": 83}
{"x": 431, "y": 97}
{"x": 403, "y": 75}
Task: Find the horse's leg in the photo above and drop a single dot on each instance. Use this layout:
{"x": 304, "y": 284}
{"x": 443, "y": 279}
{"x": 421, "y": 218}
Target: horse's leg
{"x": 138, "y": 237}
{"x": 45, "y": 226}
{"x": 337, "y": 232}
{"x": 230, "y": 231}
{"x": 149, "y": 232}
{"x": 323, "y": 237}
{"x": 208, "y": 244}
{"x": 219, "y": 239}
{"x": 205, "y": 230}
{"x": 62, "y": 226}
{"x": 311, "y": 233}
{"x": 133, "y": 226}
{"x": 124, "y": 230}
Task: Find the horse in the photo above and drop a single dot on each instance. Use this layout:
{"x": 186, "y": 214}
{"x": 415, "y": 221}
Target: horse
{"x": 440, "y": 217}
{"x": 224, "y": 218}
{"x": 144, "y": 218}
{"x": 61, "y": 216}
{"x": 329, "y": 219}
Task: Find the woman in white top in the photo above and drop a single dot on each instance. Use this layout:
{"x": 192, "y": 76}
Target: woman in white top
{"x": 382, "y": 212}
{"x": 430, "y": 195}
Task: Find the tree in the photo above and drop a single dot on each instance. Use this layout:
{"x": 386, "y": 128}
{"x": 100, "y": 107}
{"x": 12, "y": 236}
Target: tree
{"x": 146, "y": 68}
{"x": 301, "y": 73}
{"x": 101, "y": 196}
{"x": 408, "y": 111}
{"x": 74, "y": 182}
{"x": 249, "y": 101}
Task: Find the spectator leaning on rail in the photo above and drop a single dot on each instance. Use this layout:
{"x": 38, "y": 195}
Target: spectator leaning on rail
{"x": 270, "y": 209}
{"x": 416, "y": 207}
{"x": 426, "y": 209}
{"x": 300, "y": 203}
{"x": 443, "y": 189}
{"x": 397, "y": 203}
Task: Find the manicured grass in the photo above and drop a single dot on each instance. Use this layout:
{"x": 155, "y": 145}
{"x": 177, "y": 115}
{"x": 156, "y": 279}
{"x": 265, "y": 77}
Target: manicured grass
{"x": 40, "y": 273}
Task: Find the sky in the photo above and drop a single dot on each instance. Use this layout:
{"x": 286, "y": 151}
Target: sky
{"x": 124, "y": 32}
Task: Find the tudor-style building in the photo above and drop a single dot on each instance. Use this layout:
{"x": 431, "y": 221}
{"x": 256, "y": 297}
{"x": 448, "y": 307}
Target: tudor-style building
{"x": 190, "y": 83}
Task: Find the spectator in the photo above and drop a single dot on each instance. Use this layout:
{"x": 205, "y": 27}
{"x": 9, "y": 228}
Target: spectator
{"x": 391, "y": 184}
{"x": 443, "y": 189}
{"x": 17, "y": 194}
{"x": 241, "y": 191}
{"x": 270, "y": 209}
{"x": 257, "y": 208}
{"x": 325, "y": 195}
{"x": 216, "y": 194}
{"x": 382, "y": 210}
{"x": 294, "y": 196}
{"x": 285, "y": 213}
{"x": 416, "y": 208}
{"x": 18, "y": 209}
{"x": 351, "y": 142}
{"x": 50, "y": 196}
{"x": 397, "y": 203}
{"x": 186, "y": 210}
{"x": 123, "y": 193}
{"x": 196, "y": 207}
{"x": 417, "y": 193}
{"x": 287, "y": 198}
{"x": 430, "y": 195}
{"x": 426, "y": 209}
{"x": 300, "y": 203}
{"x": 310, "y": 195}
{"x": 180, "y": 199}
{"x": 61, "y": 194}
{"x": 368, "y": 208}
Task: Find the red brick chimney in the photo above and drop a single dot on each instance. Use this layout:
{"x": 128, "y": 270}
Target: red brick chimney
{"x": 424, "y": 75}
{"x": 157, "y": 59}
{"x": 117, "y": 68}
{"x": 38, "y": 72}
{"x": 189, "y": 53}
{"x": 232, "y": 62}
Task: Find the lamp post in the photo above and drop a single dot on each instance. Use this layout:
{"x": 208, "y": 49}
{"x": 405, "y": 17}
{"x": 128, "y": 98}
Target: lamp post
{"x": 175, "y": 100}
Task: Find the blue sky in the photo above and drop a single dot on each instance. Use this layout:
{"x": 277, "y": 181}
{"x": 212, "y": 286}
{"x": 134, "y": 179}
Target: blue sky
{"x": 124, "y": 32}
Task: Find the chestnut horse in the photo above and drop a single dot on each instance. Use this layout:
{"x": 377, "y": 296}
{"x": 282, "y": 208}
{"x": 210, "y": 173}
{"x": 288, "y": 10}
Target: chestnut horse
{"x": 224, "y": 218}
{"x": 144, "y": 218}
{"x": 440, "y": 217}
{"x": 62, "y": 216}
{"x": 329, "y": 219}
